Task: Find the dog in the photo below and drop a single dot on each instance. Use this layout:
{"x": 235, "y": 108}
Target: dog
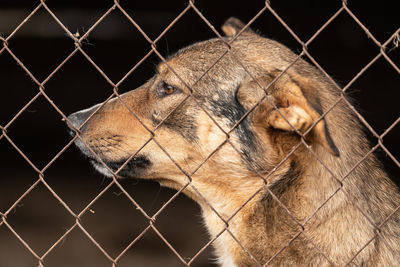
{"x": 241, "y": 126}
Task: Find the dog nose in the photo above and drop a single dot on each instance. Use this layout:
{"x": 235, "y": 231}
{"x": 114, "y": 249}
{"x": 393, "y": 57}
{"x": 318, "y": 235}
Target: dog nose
{"x": 75, "y": 120}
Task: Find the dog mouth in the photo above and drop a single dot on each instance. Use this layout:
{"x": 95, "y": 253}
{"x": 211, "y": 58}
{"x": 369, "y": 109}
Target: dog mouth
{"x": 128, "y": 168}
{"x": 131, "y": 167}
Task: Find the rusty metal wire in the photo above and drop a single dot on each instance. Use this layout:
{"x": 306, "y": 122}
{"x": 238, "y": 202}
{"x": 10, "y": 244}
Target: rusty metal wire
{"x": 115, "y": 84}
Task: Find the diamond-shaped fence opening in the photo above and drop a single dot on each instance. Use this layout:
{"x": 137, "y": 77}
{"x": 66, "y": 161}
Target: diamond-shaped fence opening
{"x": 314, "y": 16}
{"x": 43, "y": 123}
{"x": 65, "y": 86}
{"x": 60, "y": 58}
{"x": 42, "y": 230}
{"x": 17, "y": 79}
{"x": 107, "y": 54}
{"x": 40, "y": 56}
{"x": 10, "y": 246}
{"x": 349, "y": 59}
{"x": 72, "y": 250}
{"x": 386, "y": 79}
{"x": 14, "y": 184}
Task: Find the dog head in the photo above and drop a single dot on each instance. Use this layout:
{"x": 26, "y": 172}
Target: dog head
{"x": 215, "y": 113}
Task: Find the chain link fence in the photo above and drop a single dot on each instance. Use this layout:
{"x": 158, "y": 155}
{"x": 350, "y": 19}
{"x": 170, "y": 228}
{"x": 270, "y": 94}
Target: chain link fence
{"x": 80, "y": 41}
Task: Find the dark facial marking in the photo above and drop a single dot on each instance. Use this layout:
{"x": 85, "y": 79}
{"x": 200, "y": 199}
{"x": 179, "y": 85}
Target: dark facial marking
{"x": 286, "y": 181}
{"x": 179, "y": 121}
{"x": 279, "y": 188}
{"x": 132, "y": 168}
{"x": 227, "y": 106}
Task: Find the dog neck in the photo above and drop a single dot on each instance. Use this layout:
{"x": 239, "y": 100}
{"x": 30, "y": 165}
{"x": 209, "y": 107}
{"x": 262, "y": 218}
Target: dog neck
{"x": 305, "y": 202}
{"x": 239, "y": 214}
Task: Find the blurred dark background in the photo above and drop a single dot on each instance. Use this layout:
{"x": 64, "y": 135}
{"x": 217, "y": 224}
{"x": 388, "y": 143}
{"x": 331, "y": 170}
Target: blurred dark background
{"x": 115, "y": 45}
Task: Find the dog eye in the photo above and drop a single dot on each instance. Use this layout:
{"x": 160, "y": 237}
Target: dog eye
{"x": 166, "y": 89}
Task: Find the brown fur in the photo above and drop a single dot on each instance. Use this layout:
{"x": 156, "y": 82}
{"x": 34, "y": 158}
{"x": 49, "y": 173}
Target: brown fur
{"x": 333, "y": 233}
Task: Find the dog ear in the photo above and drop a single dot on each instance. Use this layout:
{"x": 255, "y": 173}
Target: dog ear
{"x": 233, "y": 26}
{"x": 297, "y": 100}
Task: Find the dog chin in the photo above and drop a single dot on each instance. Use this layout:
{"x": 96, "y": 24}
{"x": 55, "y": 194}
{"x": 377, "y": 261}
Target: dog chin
{"x": 132, "y": 169}
{"x": 102, "y": 169}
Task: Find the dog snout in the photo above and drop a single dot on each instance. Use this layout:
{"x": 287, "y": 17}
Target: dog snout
{"x": 77, "y": 119}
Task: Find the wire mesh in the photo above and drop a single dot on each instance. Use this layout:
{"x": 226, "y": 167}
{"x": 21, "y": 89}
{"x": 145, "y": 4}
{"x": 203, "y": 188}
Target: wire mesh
{"x": 191, "y": 6}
